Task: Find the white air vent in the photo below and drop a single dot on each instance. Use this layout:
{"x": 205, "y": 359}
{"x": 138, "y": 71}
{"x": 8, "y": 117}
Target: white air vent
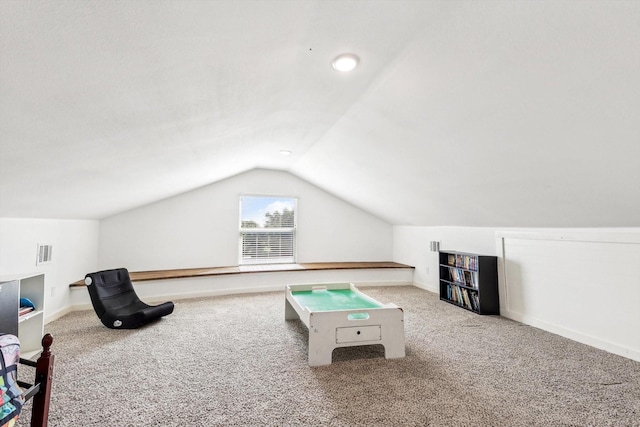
{"x": 44, "y": 253}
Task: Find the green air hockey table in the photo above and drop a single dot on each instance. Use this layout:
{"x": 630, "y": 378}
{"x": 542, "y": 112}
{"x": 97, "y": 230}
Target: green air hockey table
{"x": 340, "y": 315}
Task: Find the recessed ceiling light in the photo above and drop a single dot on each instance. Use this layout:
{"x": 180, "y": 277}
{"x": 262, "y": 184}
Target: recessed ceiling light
{"x": 345, "y": 62}
{"x": 285, "y": 152}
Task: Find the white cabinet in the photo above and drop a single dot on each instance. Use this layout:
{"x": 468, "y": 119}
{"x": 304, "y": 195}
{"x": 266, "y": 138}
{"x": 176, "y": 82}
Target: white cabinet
{"x": 30, "y": 326}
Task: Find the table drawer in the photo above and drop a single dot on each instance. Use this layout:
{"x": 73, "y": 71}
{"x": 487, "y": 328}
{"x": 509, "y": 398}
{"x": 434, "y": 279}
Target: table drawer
{"x": 361, "y": 333}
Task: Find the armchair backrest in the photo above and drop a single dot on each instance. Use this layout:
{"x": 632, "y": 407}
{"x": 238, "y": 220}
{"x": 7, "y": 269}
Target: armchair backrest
{"x": 110, "y": 290}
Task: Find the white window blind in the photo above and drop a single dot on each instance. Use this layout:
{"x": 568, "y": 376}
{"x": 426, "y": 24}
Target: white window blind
{"x": 267, "y": 230}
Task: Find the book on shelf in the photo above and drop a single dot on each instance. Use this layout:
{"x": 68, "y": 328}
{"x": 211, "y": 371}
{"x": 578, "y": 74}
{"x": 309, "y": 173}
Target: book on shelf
{"x": 473, "y": 301}
{"x": 454, "y": 294}
{"x": 462, "y": 296}
{"x": 468, "y": 262}
{"x": 465, "y": 298}
{"x": 457, "y": 275}
{"x": 24, "y": 310}
{"x": 476, "y": 302}
{"x": 467, "y": 277}
{"x": 463, "y": 277}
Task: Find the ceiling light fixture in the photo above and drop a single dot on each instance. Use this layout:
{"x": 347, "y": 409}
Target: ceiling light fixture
{"x": 285, "y": 152}
{"x": 345, "y": 62}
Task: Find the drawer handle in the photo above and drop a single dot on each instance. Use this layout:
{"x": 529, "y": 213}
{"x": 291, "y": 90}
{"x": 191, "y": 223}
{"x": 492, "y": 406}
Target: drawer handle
{"x": 357, "y": 316}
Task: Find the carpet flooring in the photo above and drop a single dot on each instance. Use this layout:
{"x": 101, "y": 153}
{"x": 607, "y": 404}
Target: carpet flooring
{"x": 235, "y": 361}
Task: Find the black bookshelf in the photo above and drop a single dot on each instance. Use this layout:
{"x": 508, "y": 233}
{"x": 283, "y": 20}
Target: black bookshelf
{"x": 470, "y": 281}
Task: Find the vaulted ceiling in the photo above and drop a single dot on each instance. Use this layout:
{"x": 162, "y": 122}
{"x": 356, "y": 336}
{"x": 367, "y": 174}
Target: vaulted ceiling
{"x": 478, "y": 113}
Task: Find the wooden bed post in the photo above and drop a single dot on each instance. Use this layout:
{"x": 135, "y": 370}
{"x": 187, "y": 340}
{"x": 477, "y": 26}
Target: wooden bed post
{"x": 44, "y": 376}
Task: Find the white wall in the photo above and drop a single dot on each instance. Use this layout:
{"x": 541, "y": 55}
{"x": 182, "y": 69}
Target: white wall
{"x": 411, "y": 247}
{"x": 75, "y": 253}
{"x": 583, "y": 284}
{"x": 200, "y": 228}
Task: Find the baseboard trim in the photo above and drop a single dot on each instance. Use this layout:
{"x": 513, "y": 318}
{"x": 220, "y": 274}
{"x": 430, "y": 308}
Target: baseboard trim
{"x": 58, "y": 314}
{"x": 580, "y": 337}
{"x": 427, "y": 287}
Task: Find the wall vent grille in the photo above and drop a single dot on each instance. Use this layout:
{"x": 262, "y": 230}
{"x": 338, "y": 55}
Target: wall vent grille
{"x": 44, "y": 254}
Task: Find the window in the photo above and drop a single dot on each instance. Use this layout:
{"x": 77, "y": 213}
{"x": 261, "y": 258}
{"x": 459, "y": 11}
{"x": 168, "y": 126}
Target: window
{"x": 267, "y": 230}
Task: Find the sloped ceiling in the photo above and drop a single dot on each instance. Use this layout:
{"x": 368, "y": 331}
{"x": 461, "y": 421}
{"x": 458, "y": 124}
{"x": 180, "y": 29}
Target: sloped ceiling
{"x": 479, "y": 113}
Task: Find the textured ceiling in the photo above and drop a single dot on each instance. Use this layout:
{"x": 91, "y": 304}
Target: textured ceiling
{"x": 504, "y": 113}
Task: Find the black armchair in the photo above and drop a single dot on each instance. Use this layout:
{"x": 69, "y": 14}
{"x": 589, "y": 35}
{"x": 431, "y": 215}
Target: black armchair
{"x": 116, "y": 302}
